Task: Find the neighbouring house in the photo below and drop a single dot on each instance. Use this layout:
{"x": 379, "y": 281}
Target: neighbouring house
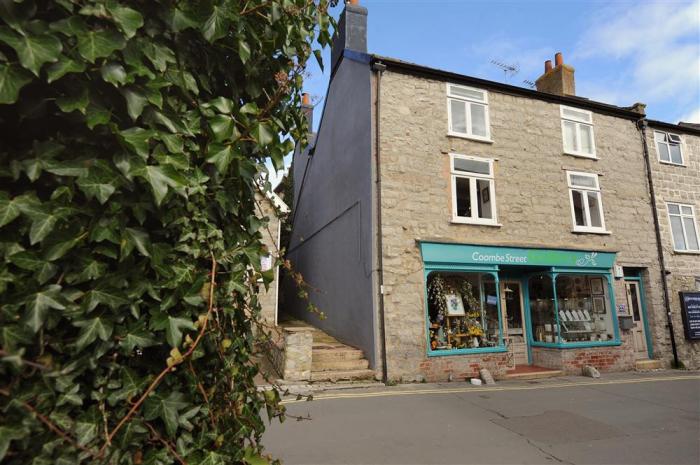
{"x": 272, "y": 209}
{"x": 674, "y": 154}
{"x": 450, "y": 223}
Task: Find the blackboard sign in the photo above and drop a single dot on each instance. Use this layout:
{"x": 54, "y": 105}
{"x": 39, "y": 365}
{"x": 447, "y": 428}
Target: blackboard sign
{"x": 690, "y": 309}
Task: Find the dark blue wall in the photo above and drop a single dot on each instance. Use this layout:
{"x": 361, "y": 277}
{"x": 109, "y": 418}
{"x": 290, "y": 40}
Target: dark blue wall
{"x": 331, "y": 241}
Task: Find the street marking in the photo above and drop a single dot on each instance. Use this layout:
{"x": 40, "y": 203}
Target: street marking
{"x": 357, "y": 395}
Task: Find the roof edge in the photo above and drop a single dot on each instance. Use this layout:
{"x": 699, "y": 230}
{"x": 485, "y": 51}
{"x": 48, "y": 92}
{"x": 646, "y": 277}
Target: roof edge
{"x": 674, "y": 127}
{"x": 416, "y": 69}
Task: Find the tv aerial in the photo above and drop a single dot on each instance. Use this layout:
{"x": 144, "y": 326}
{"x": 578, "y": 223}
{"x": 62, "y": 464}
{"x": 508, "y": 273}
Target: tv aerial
{"x": 529, "y": 83}
{"x": 509, "y": 70}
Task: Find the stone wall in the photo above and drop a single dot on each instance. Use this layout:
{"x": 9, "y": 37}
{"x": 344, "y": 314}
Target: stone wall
{"x": 270, "y": 235}
{"x": 680, "y": 184}
{"x": 531, "y": 193}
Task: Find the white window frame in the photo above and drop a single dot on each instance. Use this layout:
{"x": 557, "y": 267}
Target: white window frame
{"x": 668, "y": 147}
{"x": 468, "y": 114}
{"x": 454, "y": 174}
{"x": 685, "y": 233}
{"x": 587, "y": 209}
{"x": 578, "y": 122}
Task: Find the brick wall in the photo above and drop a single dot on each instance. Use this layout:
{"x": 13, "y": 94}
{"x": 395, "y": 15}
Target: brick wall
{"x": 677, "y": 184}
{"x": 571, "y": 361}
{"x": 531, "y": 193}
{"x": 461, "y": 367}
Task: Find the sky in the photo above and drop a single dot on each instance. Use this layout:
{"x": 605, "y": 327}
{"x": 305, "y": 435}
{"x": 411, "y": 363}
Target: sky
{"x": 623, "y": 51}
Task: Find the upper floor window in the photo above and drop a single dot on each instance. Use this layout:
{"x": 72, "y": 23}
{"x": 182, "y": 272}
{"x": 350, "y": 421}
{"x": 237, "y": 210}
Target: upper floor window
{"x": 468, "y": 112}
{"x": 685, "y": 234}
{"x": 668, "y": 146}
{"x": 586, "y": 204}
{"x": 577, "y": 132}
{"x": 473, "y": 192}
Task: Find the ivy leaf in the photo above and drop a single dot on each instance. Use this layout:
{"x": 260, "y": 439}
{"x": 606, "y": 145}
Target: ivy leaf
{"x": 41, "y": 227}
{"x": 138, "y": 338}
{"x": 92, "y": 329}
{"x": 262, "y": 134}
{"x": 172, "y": 327}
{"x": 128, "y": 20}
{"x": 96, "y": 115}
{"x": 63, "y": 66}
{"x": 12, "y": 79}
{"x": 32, "y": 50}
{"x": 217, "y": 24}
{"x": 87, "y": 426}
{"x": 131, "y": 386}
{"x": 140, "y": 239}
{"x": 37, "y": 305}
{"x": 222, "y": 104}
{"x": 165, "y": 408}
{"x": 160, "y": 178}
{"x": 221, "y": 156}
{"x": 135, "y": 102}
{"x": 114, "y": 73}
{"x": 97, "y": 184}
{"x": 137, "y": 138}
{"x": 8, "y": 434}
{"x": 74, "y": 102}
{"x": 105, "y": 296}
{"x": 61, "y": 247}
{"x": 243, "y": 51}
{"x": 99, "y": 44}
{"x": 223, "y": 127}
{"x": 8, "y": 211}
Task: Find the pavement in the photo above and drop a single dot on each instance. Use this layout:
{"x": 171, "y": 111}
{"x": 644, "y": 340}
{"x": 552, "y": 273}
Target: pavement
{"x": 621, "y": 418}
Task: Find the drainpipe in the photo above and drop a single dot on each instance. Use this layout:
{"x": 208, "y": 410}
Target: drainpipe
{"x": 642, "y": 127}
{"x": 379, "y": 68}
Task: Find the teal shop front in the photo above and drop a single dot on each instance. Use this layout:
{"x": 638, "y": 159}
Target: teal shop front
{"x": 530, "y": 305}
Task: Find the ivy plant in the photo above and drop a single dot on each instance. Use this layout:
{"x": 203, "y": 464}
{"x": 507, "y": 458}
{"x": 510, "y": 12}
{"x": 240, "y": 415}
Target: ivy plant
{"x": 134, "y": 134}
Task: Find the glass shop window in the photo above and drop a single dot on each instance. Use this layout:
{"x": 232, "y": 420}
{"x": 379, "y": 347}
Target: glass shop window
{"x": 585, "y": 313}
{"x": 462, "y": 311}
{"x": 544, "y": 322}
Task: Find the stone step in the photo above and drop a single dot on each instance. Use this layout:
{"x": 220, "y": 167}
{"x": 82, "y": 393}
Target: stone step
{"x": 642, "y": 365}
{"x": 335, "y": 354}
{"x": 347, "y": 375}
{"x": 339, "y": 365}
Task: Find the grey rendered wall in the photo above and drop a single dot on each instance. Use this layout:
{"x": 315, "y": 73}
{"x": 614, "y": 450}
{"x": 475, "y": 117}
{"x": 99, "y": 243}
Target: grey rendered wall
{"x": 331, "y": 240}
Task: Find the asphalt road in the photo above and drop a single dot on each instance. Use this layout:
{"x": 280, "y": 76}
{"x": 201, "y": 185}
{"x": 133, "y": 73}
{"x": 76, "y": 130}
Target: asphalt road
{"x": 620, "y": 419}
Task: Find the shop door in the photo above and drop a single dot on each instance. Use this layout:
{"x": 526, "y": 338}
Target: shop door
{"x": 514, "y": 321}
{"x": 634, "y": 303}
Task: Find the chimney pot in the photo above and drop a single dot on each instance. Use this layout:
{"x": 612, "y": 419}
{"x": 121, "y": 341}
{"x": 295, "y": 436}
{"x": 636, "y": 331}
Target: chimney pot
{"x": 353, "y": 2}
{"x": 558, "y": 59}
{"x": 547, "y": 66}
{"x": 305, "y": 99}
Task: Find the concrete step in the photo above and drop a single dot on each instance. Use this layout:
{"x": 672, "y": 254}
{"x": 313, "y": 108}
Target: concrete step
{"x": 346, "y": 375}
{"x": 534, "y": 374}
{"x": 339, "y": 365}
{"x": 642, "y": 365}
{"x": 335, "y": 355}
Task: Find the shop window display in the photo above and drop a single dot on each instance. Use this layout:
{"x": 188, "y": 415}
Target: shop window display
{"x": 544, "y": 322}
{"x": 585, "y": 313}
{"x": 463, "y": 311}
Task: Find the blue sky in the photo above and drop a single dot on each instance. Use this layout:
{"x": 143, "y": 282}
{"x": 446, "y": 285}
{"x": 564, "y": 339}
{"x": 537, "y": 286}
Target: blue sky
{"x": 623, "y": 51}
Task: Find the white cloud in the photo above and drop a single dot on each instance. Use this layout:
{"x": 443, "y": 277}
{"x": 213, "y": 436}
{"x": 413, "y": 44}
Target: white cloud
{"x": 692, "y": 116}
{"x": 655, "y": 47}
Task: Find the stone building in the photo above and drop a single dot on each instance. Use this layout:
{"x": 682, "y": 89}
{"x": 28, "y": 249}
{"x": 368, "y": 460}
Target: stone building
{"x": 674, "y": 154}
{"x": 451, "y": 223}
{"x": 271, "y": 208}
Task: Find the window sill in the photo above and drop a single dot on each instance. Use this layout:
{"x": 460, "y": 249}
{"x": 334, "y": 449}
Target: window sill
{"x": 670, "y": 163}
{"x": 468, "y": 137}
{"x": 575, "y": 345}
{"x": 588, "y": 231}
{"x": 582, "y": 155}
{"x": 686, "y": 252}
{"x": 474, "y": 223}
{"x": 476, "y": 350}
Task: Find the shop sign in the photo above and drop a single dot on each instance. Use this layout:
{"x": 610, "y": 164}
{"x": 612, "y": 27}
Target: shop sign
{"x": 690, "y": 310}
{"x": 488, "y": 255}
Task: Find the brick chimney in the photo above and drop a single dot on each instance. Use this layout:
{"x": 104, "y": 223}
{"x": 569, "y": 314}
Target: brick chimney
{"x": 351, "y": 33}
{"x": 308, "y": 110}
{"x": 558, "y": 80}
